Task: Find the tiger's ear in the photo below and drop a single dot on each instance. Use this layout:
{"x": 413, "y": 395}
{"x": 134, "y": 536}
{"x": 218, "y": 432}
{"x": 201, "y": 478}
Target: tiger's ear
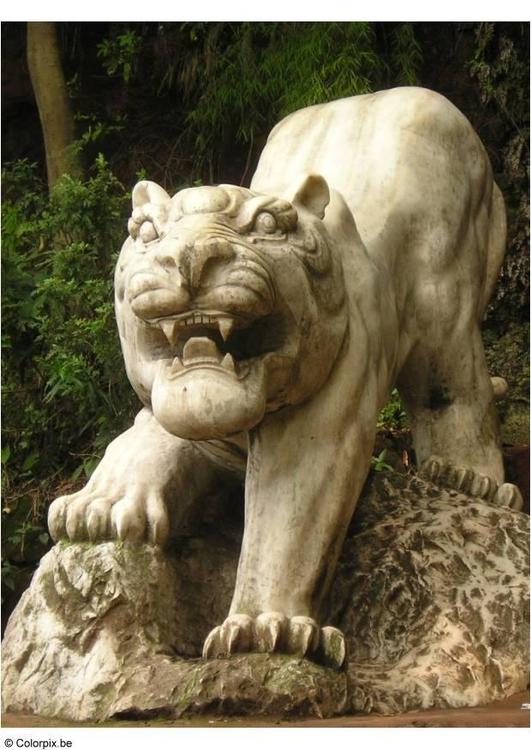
{"x": 150, "y": 210}
{"x": 146, "y": 191}
{"x": 312, "y": 193}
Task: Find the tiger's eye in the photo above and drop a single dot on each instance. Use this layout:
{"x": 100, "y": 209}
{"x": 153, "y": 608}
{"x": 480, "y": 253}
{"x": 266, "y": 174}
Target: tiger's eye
{"x": 265, "y": 223}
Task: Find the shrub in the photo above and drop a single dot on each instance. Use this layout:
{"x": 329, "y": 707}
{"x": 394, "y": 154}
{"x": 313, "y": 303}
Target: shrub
{"x": 65, "y": 393}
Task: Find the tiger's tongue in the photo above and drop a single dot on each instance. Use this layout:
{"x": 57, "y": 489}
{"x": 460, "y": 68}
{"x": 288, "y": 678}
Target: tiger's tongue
{"x": 201, "y": 349}
{"x": 207, "y": 397}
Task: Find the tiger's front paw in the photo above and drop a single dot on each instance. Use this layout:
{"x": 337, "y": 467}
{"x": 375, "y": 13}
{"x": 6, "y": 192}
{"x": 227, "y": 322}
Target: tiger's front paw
{"x": 101, "y": 512}
{"x": 273, "y": 632}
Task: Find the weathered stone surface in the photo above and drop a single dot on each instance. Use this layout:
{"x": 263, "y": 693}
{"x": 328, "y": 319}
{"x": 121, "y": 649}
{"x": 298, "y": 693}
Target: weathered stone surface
{"x": 431, "y": 593}
{"x": 100, "y": 630}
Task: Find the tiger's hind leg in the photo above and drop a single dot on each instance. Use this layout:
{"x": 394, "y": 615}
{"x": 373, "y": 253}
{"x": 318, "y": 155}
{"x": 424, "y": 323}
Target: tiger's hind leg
{"x": 450, "y": 399}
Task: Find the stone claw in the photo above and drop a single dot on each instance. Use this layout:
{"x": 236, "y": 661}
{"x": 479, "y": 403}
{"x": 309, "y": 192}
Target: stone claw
{"x": 211, "y": 645}
{"x": 509, "y": 495}
{"x": 235, "y": 635}
{"x": 463, "y": 480}
{"x": 57, "y": 518}
{"x": 483, "y": 487}
{"x": 98, "y": 520}
{"x": 447, "y": 475}
{"x": 240, "y": 633}
{"x": 332, "y": 648}
{"x": 232, "y": 638}
{"x": 303, "y": 636}
{"x": 270, "y": 629}
{"x": 431, "y": 468}
{"x": 127, "y": 522}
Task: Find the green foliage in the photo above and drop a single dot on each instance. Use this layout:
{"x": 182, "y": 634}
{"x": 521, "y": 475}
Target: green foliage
{"x": 241, "y": 78}
{"x": 379, "y": 463}
{"x": 24, "y": 541}
{"x": 507, "y": 356}
{"x": 95, "y": 130}
{"x": 119, "y": 55}
{"x": 406, "y": 54}
{"x": 63, "y": 380}
{"x": 393, "y": 415}
{"x": 501, "y": 67}
{"x": 65, "y": 394}
{"x": 196, "y": 97}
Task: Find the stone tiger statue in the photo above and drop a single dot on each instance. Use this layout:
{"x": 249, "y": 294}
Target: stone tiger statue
{"x": 264, "y": 328}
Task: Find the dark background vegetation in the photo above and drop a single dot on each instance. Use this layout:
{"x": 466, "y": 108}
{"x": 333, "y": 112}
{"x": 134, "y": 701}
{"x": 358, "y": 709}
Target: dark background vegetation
{"x": 182, "y": 104}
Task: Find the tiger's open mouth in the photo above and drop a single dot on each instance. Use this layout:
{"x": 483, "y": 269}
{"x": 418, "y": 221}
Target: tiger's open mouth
{"x": 215, "y": 340}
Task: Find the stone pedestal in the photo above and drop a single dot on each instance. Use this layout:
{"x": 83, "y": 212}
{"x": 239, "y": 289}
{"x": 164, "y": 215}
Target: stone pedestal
{"x": 431, "y": 592}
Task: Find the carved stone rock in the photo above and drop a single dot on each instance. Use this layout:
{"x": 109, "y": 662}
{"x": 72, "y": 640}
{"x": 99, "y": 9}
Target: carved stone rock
{"x": 431, "y": 593}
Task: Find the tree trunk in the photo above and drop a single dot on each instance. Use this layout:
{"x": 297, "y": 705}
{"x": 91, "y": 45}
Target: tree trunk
{"x": 49, "y": 86}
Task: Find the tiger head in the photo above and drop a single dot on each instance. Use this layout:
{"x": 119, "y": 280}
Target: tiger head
{"x": 229, "y": 303}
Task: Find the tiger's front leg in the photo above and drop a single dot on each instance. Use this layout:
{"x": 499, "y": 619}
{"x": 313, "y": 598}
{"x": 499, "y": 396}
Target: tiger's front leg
{"x": 141, "y": 489}
{"x": 301, "y": 491}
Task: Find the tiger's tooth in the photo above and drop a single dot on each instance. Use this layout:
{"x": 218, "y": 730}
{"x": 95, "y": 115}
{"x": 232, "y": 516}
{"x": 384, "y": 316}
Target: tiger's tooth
{"x": 228, "y": 362}
{"x": 169, "y": 328}
{"x": 225, "y": 327}
{"x": 177, "y": 365}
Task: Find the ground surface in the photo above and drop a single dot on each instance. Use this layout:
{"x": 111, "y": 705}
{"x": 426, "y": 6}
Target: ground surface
{"x": 512, "y": 712}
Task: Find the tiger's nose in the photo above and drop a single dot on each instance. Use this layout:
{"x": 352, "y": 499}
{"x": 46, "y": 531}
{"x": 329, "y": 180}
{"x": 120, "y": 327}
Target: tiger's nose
{"x": 204, "y": 252}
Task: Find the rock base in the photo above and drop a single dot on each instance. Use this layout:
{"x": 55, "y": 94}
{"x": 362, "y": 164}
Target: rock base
{"x": 431, "y": 591}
